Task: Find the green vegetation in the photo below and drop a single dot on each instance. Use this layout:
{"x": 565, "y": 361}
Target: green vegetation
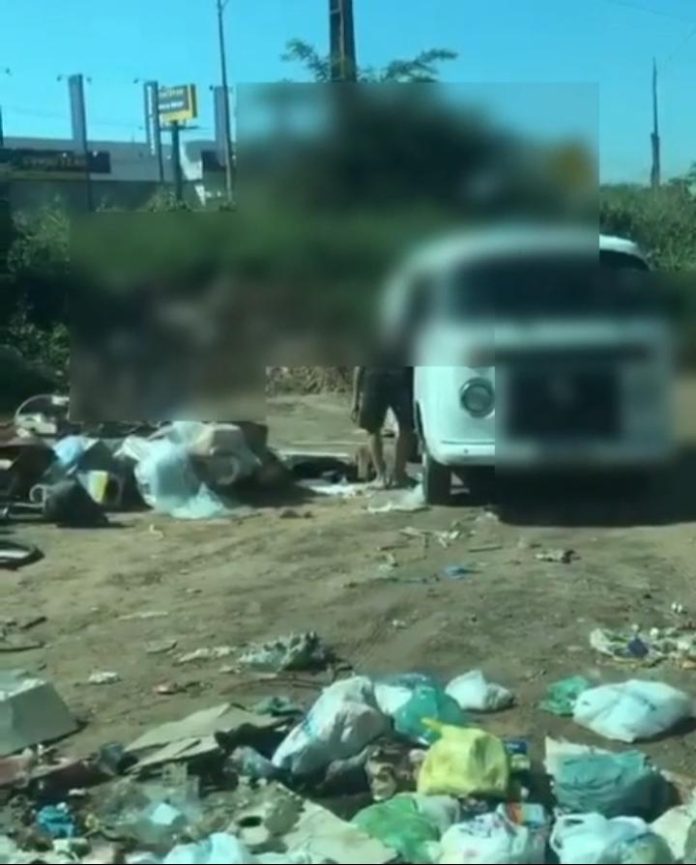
{"x": 326, "y": 216}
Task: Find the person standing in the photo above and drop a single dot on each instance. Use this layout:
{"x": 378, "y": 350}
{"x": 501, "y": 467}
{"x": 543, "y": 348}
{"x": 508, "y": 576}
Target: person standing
{"x": 375, "y": 391}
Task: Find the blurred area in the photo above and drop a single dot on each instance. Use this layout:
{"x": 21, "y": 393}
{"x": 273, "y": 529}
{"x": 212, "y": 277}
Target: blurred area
{"x": 180, "y": 314}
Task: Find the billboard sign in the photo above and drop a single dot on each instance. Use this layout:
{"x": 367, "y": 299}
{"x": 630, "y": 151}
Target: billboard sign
{"x": 24, "y": 163}
{"x": 178, "y": 104}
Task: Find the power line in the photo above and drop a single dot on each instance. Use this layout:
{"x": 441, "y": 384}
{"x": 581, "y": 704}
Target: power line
{"x": 689, "y": 36}
{"x": 639, "y": 7}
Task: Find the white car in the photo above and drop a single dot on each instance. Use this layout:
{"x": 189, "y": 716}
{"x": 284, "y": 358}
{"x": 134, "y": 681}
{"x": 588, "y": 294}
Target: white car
{"x": 536, "y": 347}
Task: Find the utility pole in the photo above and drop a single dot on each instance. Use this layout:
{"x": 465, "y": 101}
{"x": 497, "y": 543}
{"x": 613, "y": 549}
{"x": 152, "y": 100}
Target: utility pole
{"x": 176, "y": 161}
{"x": 227, "y": 123}
{"x": 78, "y": 111}
{"x": 344, "y": 65}
{"x": 655, "y": 136}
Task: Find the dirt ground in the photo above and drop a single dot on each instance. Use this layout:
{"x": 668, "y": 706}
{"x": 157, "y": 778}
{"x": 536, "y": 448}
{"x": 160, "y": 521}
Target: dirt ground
{"x": 526, "y": 623}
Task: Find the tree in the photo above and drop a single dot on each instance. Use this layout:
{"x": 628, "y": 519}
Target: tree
{"x": 423, "y": 68}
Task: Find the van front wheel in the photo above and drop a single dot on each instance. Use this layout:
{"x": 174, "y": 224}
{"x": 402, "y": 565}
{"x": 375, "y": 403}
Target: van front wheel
{"x": 437, "y": 481}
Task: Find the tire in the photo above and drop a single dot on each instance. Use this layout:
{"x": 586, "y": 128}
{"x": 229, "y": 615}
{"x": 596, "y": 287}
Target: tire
{"x": 480, "y": 482}
{"x": 437, "y": 481}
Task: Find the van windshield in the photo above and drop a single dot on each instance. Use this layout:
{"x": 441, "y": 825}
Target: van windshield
{"x": 615, "y": 284}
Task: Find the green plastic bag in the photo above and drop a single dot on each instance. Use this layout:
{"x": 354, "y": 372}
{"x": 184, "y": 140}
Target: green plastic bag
{"x": 562, "y": 696}
{"x": 403, "y": 827}
{"x": 649, "y": 849}
{"x": 428, "y": 703}
{"x": 614, "y": 785}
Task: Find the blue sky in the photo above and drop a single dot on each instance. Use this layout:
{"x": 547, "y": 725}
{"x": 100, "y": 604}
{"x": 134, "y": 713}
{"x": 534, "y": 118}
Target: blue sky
{"x": 508, "y": 42}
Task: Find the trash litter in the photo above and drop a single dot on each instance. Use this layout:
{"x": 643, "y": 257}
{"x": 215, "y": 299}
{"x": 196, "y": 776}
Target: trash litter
{"x": 690, "y": 845}
{"x": 144, "y": 616}
{"x": 278, "y": 707}
{"x": 295, "y": 652}
{"x": 589, "y": 839}
{"x": 160, "y": 647}
{"x": 676, "y": 828}
{"x": 457, "y": 572}
{"x": 564, "y": 557}
{"x": 169, "y": 484}
{"x": 56, "y": 821}
{"x": 152, "y": 815}
{"x": 495, "y": 838}
{"x": 474, "y": 693}
{"x": 465, "y": 762}
{"x": 42, "y": 415}
{"x": 614, "y": 785}
{"x": 68, "y": 504}
{"x": 196, "y": 735}
{"x": 104, "y": 678}
{"x": 106, "y": 488}
{"x": 411, "y": 501}
{"x": 14, "y": 555}
{"x": 31, "y": 713}
{"x": 341, "y": 723}
{"x": 218, "y": 849}
{"x": 253, "y": 765}
{"x": 633, "y": 710}
{"x": 427, "y": 703}
{"x": 215, "y": 653}
{"x": 648, "y": 648}
{"x": 404, "y": 826}
{"x": 518, "y": 752}
{"x": 562, "y": 697}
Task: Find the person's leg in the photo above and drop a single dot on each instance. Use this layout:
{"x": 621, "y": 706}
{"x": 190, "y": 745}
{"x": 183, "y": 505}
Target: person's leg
{"x": 375, "y": 446}
{"x": 402, "y": 407}
{"x": 404, "y": 448}
{"x": 373, "y": 410}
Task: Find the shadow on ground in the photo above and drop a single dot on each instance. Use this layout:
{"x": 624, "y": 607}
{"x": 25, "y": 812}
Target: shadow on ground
{"x": 596, "y": 500}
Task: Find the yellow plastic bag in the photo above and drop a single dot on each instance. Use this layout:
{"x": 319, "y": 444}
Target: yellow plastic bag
{"x": 465, "y": 762}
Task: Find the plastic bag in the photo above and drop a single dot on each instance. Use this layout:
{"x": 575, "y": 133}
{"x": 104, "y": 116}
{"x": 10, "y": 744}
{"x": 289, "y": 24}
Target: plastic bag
{"x": 342, "y": 722}
{"x": 168, "y": 484}
{"x": 633, "y": 710}
{"x": 676, "y": 827}
{"x": 394, "y": 692}
{"x": 614, "y": 785}
{"x": 427, "y": 703}
{"x": 496, "y": 839}
{"x": 465, "y": 762}
{"x": 218, "y": 849}
{"x": 562, "y": 697}
{"x": 474, "y": 693}
{"x": 401, "y": 825}
{"x": 588, "y": 839}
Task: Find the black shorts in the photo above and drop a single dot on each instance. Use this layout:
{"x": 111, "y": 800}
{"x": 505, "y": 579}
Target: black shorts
{"x": 381, "y": 393}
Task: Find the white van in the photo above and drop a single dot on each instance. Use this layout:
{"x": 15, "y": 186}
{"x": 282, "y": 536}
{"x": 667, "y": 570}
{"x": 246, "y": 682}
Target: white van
{"x": 531, "y": 353}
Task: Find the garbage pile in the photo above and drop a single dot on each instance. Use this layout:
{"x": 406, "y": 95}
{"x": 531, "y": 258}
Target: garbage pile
{"x": 52, "y": 469}
{"x": 398, "y": 769}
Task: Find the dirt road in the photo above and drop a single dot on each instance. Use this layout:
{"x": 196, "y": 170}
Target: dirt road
{"x": 525, "y": 622}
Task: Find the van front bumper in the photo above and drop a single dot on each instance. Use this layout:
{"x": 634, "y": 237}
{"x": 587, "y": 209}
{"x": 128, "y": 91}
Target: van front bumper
{"x": 623, "y": 456}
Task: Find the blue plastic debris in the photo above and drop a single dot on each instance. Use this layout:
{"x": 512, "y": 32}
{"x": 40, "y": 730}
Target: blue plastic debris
{"x": 57, "y": 821}
{"x": 457, "y": 572}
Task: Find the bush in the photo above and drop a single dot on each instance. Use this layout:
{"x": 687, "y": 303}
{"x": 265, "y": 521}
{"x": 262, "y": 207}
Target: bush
{"x": 36, "y": 273}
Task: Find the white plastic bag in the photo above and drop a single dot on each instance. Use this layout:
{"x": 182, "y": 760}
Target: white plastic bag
{"x": 168, "y": 484}
{"x": 633, "y": 710}
{"x": 588, "y": 839}
{"x": 475, "y": 694}
{"x": 218, "y": 849}
{"x": 492, "y": 838}
{"x": 342, "y": 722}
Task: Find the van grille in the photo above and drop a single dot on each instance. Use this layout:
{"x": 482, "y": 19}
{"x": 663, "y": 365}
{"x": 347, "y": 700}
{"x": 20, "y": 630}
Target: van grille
{"x": 557, "y": 402}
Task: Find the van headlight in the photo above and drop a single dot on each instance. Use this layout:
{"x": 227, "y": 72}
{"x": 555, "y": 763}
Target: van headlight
{"x": 478, "y": 397}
